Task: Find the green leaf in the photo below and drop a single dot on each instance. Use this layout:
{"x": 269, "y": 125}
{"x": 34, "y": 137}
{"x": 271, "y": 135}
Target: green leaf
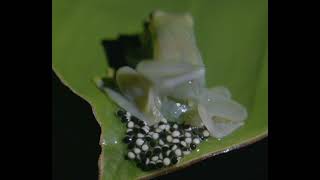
{"x": 231, "y": 36}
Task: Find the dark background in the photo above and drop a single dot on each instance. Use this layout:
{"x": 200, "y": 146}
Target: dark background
{"x": 75, "y": 146}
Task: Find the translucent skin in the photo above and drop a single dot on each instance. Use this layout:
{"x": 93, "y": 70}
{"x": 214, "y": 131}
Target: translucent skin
{"x": 175, "y": 44}
{"x": 173, "y": 38}
{"x": 177, "y": 62}
{"x": 172, "y": 84}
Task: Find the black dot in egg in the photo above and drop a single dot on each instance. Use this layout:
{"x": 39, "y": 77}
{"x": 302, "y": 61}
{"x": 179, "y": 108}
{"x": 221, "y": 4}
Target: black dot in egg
{"x": 121, "y": 113}
{"x": 195, "y": 131}
{"x": 180, "y": 145}
{"x": 202, "y": 137}
{"x": 174, "y": 160}
{"x": 152, "y": 143}
{"x": 185, "y": 149}
{"x": 143, "y": 156}
{"x": 157, "y": 150}
{"x": 129, "y": 139}
{"x": 130, "y": 133}
{"x": 201, "y": 129}
{"x": 186, "y": 126}
{"x": 193, "y": 146}
{"x": 135, "y": 130}
{"x": 173, "y": 146}
{"x": 142, "y": 131}
{"x": 151, "y": 129}
{"x": 171, "y": 123}
{"x": 172, "y": 154}
{"x": 124, "y": 119}
{"x": 161, "y": 123}
{"x": 162, "y": 135}
{"x": 141, "y": 123}
{"x": 165, "y": 149}
{"x": 152, "y": 165}
{"x": 148, "y": 154}
{"x": 134, "y": 119}
{"x": 148, "y": 138}
{"x": 159, "y": 165}
{"x": 144, "y": 160}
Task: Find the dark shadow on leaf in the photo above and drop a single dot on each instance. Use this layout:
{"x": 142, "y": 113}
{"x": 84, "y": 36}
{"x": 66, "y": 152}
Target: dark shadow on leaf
{"x": 128, "y": 50}
{"x": 109, "y": 82}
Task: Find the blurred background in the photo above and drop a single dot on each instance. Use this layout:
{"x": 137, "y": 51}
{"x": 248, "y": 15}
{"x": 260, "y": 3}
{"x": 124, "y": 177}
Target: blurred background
{"x": 75, "y": 143}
